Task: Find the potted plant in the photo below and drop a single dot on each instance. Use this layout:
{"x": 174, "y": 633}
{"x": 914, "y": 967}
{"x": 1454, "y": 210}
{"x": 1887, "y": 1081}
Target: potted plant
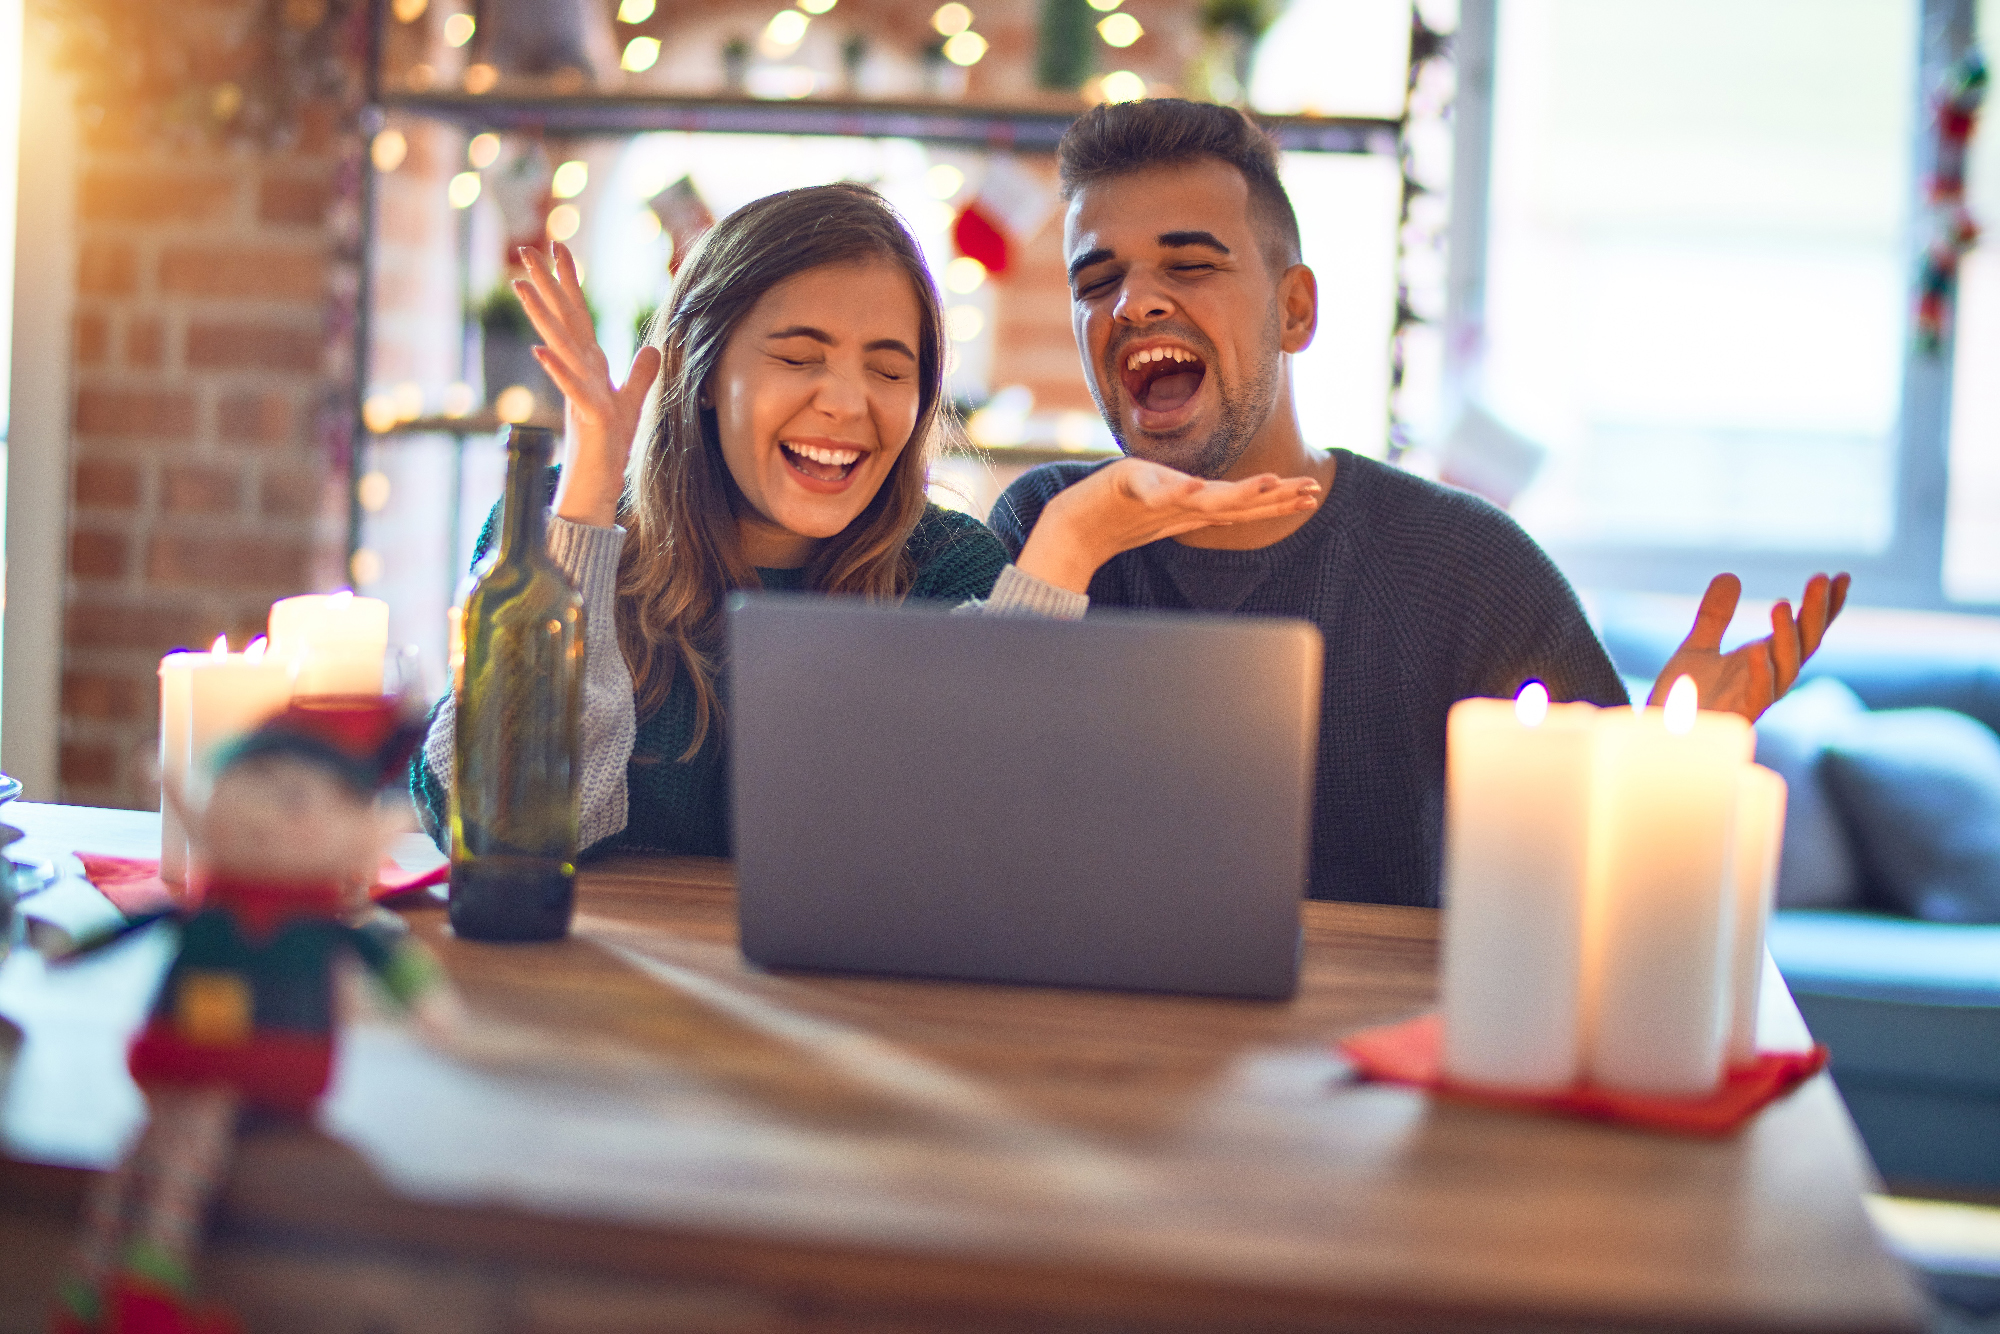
{"x": 506, "y": 342}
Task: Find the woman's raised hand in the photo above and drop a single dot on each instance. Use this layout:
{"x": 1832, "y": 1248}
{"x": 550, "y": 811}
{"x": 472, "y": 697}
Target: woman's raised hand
{"x": 600, "y": 419}
{"x": 1132, "y": 502}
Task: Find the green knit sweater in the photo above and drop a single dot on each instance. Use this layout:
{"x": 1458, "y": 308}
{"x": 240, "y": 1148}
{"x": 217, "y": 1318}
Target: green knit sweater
{"x": 682, "y": 806}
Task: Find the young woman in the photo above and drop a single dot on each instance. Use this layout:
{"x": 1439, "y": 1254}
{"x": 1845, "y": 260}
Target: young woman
{"x": 785, "y": 411}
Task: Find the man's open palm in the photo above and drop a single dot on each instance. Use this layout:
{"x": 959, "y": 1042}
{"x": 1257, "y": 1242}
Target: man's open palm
{"x": 1133, "y": 502}
{"x": 1750, "y": 679}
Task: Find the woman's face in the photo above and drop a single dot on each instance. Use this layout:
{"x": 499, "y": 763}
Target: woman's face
{"x": 815, "y": 397}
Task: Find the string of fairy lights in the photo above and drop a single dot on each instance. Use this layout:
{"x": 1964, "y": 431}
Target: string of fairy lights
{"x": 788, "y": 58}
{"x": 959, "y": 42}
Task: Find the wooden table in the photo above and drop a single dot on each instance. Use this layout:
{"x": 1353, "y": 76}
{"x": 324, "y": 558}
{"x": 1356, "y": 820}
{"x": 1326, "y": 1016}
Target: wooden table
{"x": 641, "y": 1132}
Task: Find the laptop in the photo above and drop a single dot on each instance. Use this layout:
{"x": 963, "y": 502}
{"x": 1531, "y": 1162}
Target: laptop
{"x": 1120, "y": 802}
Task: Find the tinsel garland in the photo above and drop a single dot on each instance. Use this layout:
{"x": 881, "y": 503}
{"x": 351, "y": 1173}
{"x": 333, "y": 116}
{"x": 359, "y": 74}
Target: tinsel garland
{"x": 165, "y": 75}
{"x": 178, "y": 73}
{"x": 1953, "y": 229}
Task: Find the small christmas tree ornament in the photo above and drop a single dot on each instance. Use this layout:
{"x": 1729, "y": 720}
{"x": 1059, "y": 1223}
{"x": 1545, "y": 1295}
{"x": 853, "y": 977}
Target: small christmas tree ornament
{"x": 1007, "y": 211}
{"x": 1065, "y": 47}
{"x": 1230, "y": 30}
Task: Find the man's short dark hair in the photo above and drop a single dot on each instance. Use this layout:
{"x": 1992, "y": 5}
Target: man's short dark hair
{"x": 1114, "y": 138}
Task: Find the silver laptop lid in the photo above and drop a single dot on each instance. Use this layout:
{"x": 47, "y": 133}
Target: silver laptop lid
{"x": 1118, "y": 802}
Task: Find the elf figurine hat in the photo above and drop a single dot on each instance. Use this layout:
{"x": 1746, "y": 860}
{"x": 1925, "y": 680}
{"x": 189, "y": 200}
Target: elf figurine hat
{"x": 365, "y": 741}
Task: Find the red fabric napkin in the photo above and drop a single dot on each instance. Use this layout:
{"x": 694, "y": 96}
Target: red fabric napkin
{"x": 134, "y": 886}
{"x": 1412, "y": 1053}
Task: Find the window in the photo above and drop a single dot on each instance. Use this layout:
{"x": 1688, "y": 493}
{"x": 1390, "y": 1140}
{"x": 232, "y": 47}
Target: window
{"x": 1697, "y": 283}
{"x": 1972, "y": 516}
{"x": 1348, "y": 207}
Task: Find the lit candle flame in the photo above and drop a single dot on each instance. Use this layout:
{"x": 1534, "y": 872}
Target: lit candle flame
{"x": 1681, "y": 705}
{"x": 255, "y": 653}
{"x": 1532, "y": 704}
{"x": 221, "y": 646}
{"x": 343, "y": 594}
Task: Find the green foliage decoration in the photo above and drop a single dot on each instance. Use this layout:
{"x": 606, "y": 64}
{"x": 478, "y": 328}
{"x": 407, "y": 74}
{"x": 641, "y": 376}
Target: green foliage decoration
{"x": 499, "y": 312}
{"x": 1066, "y": 46}
{"x": 1250, "y": 18}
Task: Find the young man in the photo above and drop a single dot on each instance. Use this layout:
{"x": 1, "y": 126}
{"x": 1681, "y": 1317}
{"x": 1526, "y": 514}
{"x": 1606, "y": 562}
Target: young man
{"x": 1187, "y": 298}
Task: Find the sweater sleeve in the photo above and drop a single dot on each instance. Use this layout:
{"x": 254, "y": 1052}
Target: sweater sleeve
{"x": 1013, "y": 517}
{"x": 1521, "y": 619}
{"x": 589, "y": 556}
{"x": 1017, "y": 593}
{"x": 957, "y": 557}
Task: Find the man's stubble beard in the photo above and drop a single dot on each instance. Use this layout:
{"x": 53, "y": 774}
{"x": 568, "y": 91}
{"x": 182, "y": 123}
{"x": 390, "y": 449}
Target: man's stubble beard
{"x": 1242, "y": 415}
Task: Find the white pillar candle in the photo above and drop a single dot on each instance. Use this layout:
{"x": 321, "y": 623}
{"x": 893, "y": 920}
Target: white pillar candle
{"x": 1516, "y": 866}
{"x": 228, "y": 695}
{"x": 1658, "y": 952}
{"x": 176, "y": 713}
{"x": 1760, "y": 833}
{"x": 336, "y": 641}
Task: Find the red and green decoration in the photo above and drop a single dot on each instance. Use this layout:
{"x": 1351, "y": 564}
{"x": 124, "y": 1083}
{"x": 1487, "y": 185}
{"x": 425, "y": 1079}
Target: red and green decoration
{"x": 1953, "y": 230}
{"x": 1010, "y": 206}
{"x": 977, "y": 236}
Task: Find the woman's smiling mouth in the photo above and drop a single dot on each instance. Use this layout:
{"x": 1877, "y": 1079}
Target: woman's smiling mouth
{"x": 827, "y": 462}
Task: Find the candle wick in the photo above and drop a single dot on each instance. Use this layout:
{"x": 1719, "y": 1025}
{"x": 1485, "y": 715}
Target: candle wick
{"x": 1531, "y": 706}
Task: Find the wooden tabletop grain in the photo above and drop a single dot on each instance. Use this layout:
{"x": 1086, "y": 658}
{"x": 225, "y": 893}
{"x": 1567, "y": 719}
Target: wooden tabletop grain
{"x": 637, "y": 1105}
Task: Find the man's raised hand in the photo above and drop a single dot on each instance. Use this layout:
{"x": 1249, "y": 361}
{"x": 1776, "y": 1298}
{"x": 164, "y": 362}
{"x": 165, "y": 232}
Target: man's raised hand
{"x": 1752, "y": 678}
{"x": 600, "y": 418}
{"x": 1130, "y": 503}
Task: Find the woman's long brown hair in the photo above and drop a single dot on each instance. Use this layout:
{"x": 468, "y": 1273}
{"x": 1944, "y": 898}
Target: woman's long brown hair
{"x": 683, "y": 554}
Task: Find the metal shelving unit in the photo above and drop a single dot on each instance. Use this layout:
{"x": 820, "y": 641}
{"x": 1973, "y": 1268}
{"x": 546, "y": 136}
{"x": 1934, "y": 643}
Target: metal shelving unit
{"x": 1015, "y": 129}
{"x": 1029, "y": 129}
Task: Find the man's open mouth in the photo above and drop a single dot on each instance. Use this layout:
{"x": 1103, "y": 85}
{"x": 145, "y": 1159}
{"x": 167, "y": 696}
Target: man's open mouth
{"x": 819, "y": 462}
{"x": 1160, "y": 379}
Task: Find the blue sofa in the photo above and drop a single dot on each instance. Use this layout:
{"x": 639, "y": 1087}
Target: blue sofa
{"x": 1910, "y": 1009}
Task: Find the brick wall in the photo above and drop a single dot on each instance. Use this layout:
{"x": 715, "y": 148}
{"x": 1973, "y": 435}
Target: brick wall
{"x": 211, "y": 364}
{"x": 208, "y": 365}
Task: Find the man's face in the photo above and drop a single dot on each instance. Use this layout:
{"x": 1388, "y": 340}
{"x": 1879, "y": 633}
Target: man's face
{"x": 1176, "y": 312}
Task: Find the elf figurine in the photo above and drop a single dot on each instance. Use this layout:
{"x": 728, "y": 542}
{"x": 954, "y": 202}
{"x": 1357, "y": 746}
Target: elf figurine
{"x": 288, "y": 844}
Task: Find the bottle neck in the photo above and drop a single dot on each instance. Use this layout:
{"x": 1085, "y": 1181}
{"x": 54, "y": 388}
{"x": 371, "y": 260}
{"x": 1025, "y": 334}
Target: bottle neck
{"x": 524, "y": 514}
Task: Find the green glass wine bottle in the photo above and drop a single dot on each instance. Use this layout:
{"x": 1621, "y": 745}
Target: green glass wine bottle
{"x": 519, "y": 699}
